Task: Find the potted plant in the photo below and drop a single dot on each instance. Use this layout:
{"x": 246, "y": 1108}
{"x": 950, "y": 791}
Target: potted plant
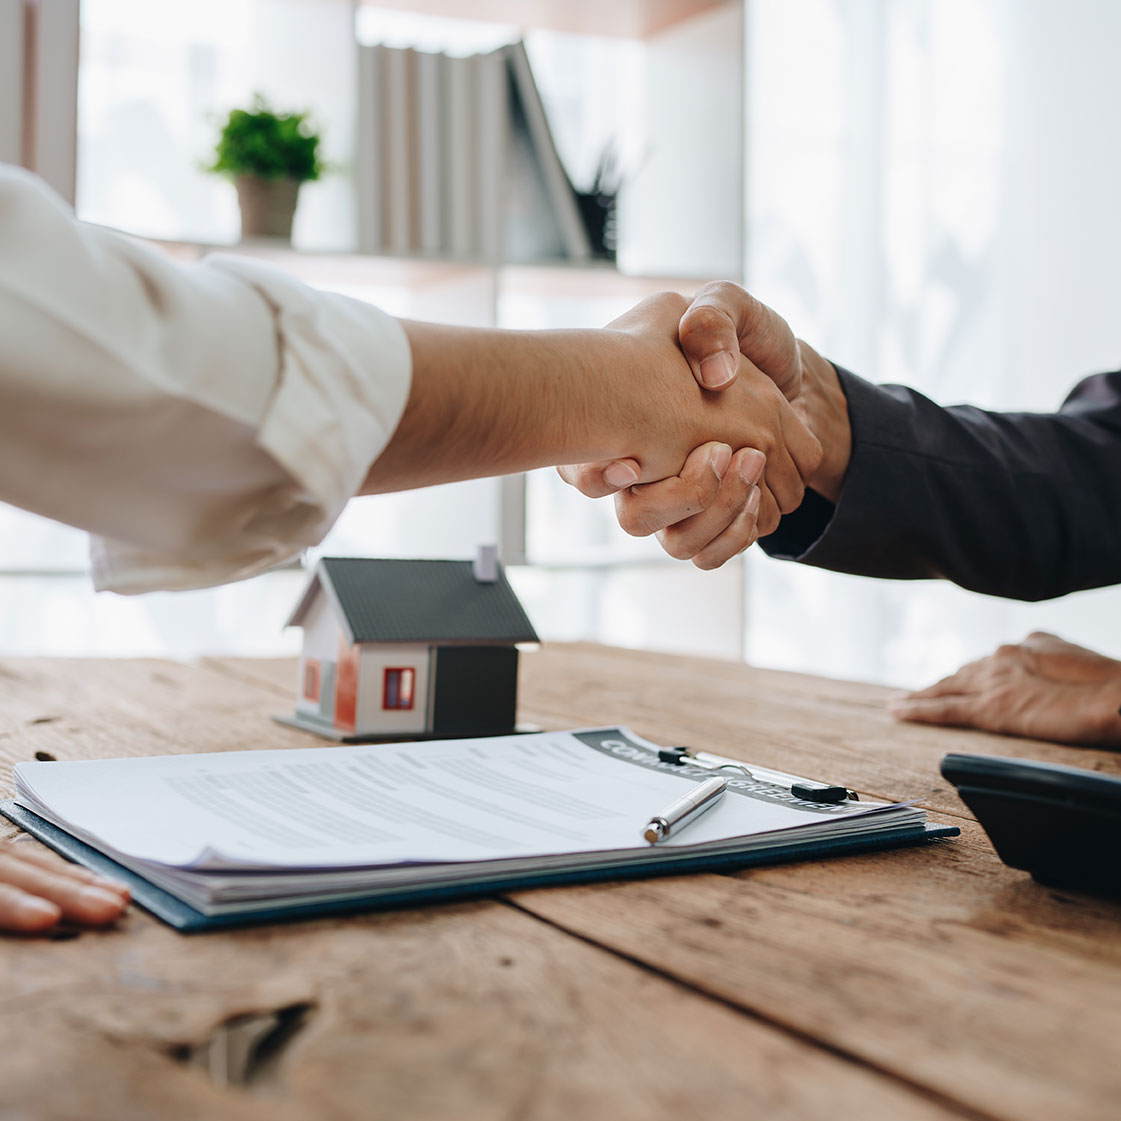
{"x": 268, "y": 155}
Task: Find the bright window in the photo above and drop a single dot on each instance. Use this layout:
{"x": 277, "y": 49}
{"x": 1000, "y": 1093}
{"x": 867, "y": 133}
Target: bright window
{"x": 399, "y": 687}
{"x": 156, "y": 80}
{"x": 311, "y": 679}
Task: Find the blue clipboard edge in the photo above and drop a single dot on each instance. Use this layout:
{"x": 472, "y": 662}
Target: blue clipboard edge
{"x": 189, "y": 921}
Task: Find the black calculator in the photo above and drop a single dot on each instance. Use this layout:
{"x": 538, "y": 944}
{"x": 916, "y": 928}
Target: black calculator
{"x": 1061, "y": 824}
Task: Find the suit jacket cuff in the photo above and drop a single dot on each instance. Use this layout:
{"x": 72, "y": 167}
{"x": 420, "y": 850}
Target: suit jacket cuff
{"x": 818, "y": 529}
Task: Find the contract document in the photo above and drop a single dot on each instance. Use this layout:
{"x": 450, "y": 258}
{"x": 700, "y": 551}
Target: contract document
{"x": 250, "y": 832}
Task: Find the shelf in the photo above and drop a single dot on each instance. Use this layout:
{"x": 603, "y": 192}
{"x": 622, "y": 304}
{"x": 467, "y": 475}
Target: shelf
{"x": 551, "y": 279}
{"x": 574, "y": 281}
{"x": 625, "y": 19}
{"x": 329, "y": 267}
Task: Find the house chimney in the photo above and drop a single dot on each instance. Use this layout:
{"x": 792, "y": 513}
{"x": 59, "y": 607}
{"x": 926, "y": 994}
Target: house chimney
{"x": 486, "y": 564}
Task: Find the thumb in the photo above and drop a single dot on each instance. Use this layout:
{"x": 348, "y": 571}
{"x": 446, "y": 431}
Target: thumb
{"x": 724, "y": 321}
{"x": 596, "y": 480}
{"x": 709, "y": 341}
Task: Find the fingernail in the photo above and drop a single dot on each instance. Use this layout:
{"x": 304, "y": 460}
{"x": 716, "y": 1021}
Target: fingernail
{"x": 721, "y": 457}
{"x": 100, "y": 898}
{"x": 717, "y": 370}
{"x": 753, "y": 500}
{"x": 620, "y": 475}
{"x": 751, "y": 466}
{"x": 35, "y": 911}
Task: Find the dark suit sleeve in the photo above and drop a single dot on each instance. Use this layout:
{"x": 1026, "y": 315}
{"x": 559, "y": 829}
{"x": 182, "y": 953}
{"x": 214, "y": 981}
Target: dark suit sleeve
{"x": 1023, "y": 505}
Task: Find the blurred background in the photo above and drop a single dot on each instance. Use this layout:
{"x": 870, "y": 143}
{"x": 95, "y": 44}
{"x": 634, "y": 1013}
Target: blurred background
{"x": 923, "y": 188}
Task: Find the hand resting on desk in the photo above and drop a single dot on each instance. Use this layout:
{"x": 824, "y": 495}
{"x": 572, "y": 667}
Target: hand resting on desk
{"x": 1044, "y": 688}
{"x": 38, "y": 890}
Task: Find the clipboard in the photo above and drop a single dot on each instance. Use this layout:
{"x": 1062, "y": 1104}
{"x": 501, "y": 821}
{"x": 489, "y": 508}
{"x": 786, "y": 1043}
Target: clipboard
{"x": 187, "y": 920}
{"x": 213, "y": 840}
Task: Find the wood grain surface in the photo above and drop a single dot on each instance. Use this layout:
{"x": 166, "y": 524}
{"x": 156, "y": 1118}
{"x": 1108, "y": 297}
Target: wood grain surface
{"x": 920, "y": 983}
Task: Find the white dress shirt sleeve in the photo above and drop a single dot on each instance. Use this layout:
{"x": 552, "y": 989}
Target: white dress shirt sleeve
{"x": 203, "y": 421}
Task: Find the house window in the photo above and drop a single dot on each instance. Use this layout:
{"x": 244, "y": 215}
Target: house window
{"x": 311, "y": 679}
{"x": 398, "y": 690}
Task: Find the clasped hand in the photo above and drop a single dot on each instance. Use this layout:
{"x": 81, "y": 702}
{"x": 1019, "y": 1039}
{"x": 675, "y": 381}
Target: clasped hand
{"x": 724, "y": 496}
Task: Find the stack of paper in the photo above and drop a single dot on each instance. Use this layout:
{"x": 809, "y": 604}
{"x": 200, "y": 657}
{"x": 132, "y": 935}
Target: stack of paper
{"x": 239, "y": 833}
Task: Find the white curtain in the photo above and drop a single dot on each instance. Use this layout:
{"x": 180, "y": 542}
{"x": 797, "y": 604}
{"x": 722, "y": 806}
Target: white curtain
{"x": 932, "y": 200}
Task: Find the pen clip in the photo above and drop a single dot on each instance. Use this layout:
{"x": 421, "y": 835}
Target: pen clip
{"x": 808, "y": 791}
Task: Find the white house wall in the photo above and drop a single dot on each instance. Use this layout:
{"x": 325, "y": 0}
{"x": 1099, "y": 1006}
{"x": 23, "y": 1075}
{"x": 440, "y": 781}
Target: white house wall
{"x": 375, "y": 660}
{"x": 321, "y": 641}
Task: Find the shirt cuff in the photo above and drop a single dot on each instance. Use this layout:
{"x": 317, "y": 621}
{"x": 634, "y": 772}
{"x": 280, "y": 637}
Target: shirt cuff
{"x": 344, "y": 371}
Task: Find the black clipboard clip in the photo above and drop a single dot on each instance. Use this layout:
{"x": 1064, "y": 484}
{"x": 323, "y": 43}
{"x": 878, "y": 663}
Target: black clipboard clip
{"x": 800, "y": 788}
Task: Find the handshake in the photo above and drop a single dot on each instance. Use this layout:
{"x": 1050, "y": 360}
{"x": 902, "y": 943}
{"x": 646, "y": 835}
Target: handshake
{"x": 769, "y": 413}
{"x": 707, "y": 420}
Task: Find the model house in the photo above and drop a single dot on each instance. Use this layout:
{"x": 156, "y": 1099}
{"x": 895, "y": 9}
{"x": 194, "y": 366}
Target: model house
{"x": 403, "y": 648}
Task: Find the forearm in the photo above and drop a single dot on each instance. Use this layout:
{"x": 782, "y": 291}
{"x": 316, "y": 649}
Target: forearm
{"x": 490, "y": 402}
{"x": 1026, "y": 506}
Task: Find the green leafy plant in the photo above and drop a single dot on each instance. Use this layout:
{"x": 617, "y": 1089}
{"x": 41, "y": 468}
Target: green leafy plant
{"x": 259, "y": 141}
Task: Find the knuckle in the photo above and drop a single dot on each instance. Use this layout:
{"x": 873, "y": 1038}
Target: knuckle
{"x": 703, "y": 319}
{"x": 791, "y": 497}
{"x": 769, "y": 440}
{"x": 773, "y": 397}
{"x": 719, "y": 294}
{"x": 675, "y": 545}
{"x": 670, "y": 301}
{"x": 635, "y": 519}
{"x": 768, "y": 520}
{"x": 722, "y": 288}
{"x": 815, "y": 454}
{"x": 633, "y": 526}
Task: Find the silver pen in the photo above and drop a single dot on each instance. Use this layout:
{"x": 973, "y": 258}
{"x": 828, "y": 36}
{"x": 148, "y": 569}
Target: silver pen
{"x": 688, "y": 808}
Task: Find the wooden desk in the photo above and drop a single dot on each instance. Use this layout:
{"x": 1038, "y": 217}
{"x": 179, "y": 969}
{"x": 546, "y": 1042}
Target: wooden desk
{"x": 927, "y": 983}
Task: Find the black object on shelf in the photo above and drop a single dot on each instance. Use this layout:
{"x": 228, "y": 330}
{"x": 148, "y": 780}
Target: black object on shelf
{"x": 598, "y": 212}
{"x": 1061, "y": 824}
{"x": 597, "y": 206}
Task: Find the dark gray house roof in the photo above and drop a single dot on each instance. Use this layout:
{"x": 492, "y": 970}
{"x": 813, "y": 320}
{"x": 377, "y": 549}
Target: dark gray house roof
{"x": 417, "y": 601}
